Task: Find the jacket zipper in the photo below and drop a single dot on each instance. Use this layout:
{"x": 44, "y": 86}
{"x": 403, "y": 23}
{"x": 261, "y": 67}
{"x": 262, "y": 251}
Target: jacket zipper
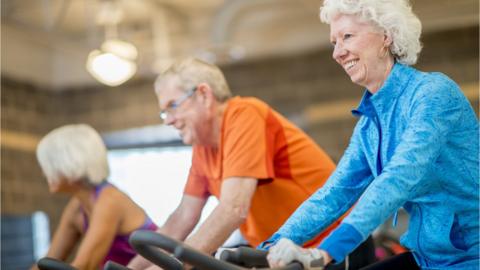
{"x": 420, "y": 251}
{"x": 379, "y": 151}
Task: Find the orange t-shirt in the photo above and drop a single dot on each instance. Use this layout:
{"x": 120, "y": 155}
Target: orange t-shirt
{"x": 257, "y": 142}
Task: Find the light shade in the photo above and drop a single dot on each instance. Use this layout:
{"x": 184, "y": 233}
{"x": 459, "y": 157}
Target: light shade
{"x": 114, "y": 63}
{"x": 121, "y": 48}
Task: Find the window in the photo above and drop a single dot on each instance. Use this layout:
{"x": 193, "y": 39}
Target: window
{"x": 154, "y": 178}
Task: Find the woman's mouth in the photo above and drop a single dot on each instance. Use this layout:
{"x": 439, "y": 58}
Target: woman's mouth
{"x": 350, "y": 64}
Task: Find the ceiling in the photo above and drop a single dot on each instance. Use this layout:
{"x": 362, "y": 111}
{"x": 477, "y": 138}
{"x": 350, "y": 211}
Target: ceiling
{"x": 47, "y": 41}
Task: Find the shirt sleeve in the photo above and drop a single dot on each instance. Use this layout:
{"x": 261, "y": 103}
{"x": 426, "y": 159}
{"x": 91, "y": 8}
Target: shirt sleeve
{"x": 244, "y": 144}
{"x": 433, "y": 114}
{"x": 197, "y": 184}
{"x": 327, "y": 204}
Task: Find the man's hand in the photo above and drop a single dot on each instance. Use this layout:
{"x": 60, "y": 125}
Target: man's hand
{"x": 228, "y": 215}
{"x": 285, "y": 252}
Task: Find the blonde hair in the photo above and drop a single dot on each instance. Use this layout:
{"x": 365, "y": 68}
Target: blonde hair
{"x": 190, "y": 72}
{"x": 395, "y": 17}
{"x": 74, "y": 153}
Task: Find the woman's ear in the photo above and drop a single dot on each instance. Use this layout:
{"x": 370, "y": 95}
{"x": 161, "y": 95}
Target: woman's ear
{"x": 387, "y": 40}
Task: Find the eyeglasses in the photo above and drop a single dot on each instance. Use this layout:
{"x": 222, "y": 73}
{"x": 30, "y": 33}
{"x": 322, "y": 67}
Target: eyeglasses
{"x": 170, "y": 110}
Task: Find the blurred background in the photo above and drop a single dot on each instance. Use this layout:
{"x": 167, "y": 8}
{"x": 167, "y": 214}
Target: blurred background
{"x": 94, "y": 62}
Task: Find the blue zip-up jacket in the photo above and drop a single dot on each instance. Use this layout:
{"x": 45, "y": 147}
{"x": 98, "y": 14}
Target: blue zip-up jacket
{"x": 416, "y": 146}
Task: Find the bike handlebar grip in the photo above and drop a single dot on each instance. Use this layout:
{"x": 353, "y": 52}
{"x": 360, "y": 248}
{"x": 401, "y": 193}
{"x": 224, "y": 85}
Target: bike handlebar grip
{"x": 145, "y": 237}
{"x": 53, "y": 264}
{"x": 114, "y": 266}
{"x": 291, "y": 266}
{"x": 245, "y": 256}
{"x": 230, "y": 256}
{"x": 252, "y": 257}
{"x": 202, "y": 261}
{"x": 144, "y": 242}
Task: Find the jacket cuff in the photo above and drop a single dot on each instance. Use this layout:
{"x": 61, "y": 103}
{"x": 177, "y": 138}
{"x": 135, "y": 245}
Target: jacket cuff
{"x": 267, "y": 244}
{"x": 343, "y": 240}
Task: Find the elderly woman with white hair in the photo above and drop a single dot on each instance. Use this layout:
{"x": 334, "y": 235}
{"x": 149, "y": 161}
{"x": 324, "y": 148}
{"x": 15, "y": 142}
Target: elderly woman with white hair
{"x": 74, "y": 161}
{"x": 416, "y": 146}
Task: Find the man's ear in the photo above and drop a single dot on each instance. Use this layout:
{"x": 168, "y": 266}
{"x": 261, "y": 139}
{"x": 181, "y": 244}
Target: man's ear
{"x": 205, "y": 94}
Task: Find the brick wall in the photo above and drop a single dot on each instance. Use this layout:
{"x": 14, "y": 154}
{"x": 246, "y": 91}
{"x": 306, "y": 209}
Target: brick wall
{"x": 292, "y": 85}
{"x": 26, "y": 113}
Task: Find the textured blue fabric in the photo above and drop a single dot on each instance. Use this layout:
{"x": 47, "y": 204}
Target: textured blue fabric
{"x": 341, "y": 241}
{"x": 266, "y": 245}
{"x": 416, "y": 146}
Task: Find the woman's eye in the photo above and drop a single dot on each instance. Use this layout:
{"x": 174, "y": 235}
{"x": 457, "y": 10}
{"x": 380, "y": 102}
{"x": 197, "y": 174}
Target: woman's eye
{"x": 347, "y": 36}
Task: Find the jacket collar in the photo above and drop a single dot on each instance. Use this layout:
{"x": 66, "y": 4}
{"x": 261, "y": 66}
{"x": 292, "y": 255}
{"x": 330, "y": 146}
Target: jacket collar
{"x": 387, "y": 95}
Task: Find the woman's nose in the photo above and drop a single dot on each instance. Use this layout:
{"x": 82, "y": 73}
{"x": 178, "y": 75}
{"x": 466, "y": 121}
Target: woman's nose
{"x": 338, "y": 51}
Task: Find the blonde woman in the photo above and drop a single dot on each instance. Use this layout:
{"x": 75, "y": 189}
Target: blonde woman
{"x": 99, "y": 216}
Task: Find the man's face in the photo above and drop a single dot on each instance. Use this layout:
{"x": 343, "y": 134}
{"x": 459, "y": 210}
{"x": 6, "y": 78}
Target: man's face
{"x": 183, "y": 110}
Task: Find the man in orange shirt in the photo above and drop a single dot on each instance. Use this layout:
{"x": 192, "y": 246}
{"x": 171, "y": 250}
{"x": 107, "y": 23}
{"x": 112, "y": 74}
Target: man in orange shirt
{"x": 259, "y": 165}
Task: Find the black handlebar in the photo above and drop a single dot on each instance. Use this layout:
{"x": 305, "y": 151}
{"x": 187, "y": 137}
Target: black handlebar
{"x": 53, "y": 264}
{"x": 109, "y": 265}
{"x": 202, "y": 261}
{"x": 253, "y": 258}
{"x": 245, "y": 256}
{"x": 143, "y": 240}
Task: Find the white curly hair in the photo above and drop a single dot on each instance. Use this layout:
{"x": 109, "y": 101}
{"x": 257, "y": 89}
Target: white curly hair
{"x": 395, "y": 17}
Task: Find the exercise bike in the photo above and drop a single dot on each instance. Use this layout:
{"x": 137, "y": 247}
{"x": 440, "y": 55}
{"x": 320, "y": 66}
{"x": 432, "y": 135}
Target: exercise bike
{"x": 150, "y": 245}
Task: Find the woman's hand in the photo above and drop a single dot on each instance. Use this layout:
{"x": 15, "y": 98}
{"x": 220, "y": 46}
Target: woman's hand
{"x": 285, "y": 252}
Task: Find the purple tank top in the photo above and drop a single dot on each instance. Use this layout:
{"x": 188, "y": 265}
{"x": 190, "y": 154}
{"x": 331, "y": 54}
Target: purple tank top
{"x": 120, "y": 251}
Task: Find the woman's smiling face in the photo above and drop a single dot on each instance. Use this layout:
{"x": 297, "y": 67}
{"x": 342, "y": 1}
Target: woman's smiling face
{"x": 361, "y": 49}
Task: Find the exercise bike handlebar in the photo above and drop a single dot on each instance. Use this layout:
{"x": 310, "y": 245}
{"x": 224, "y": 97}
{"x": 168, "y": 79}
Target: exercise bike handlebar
{"x": 144, "y": 242}
{"x": 47, "y": 263}
{"x": 245, "y": 256}
{"x": 109, "y": 265}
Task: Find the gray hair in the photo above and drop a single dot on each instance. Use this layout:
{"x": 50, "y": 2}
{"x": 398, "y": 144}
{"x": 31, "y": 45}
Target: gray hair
{"x": 73, "y": 152}
{"x": 190, "y": 72}
{"x": 395, "y": 17}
